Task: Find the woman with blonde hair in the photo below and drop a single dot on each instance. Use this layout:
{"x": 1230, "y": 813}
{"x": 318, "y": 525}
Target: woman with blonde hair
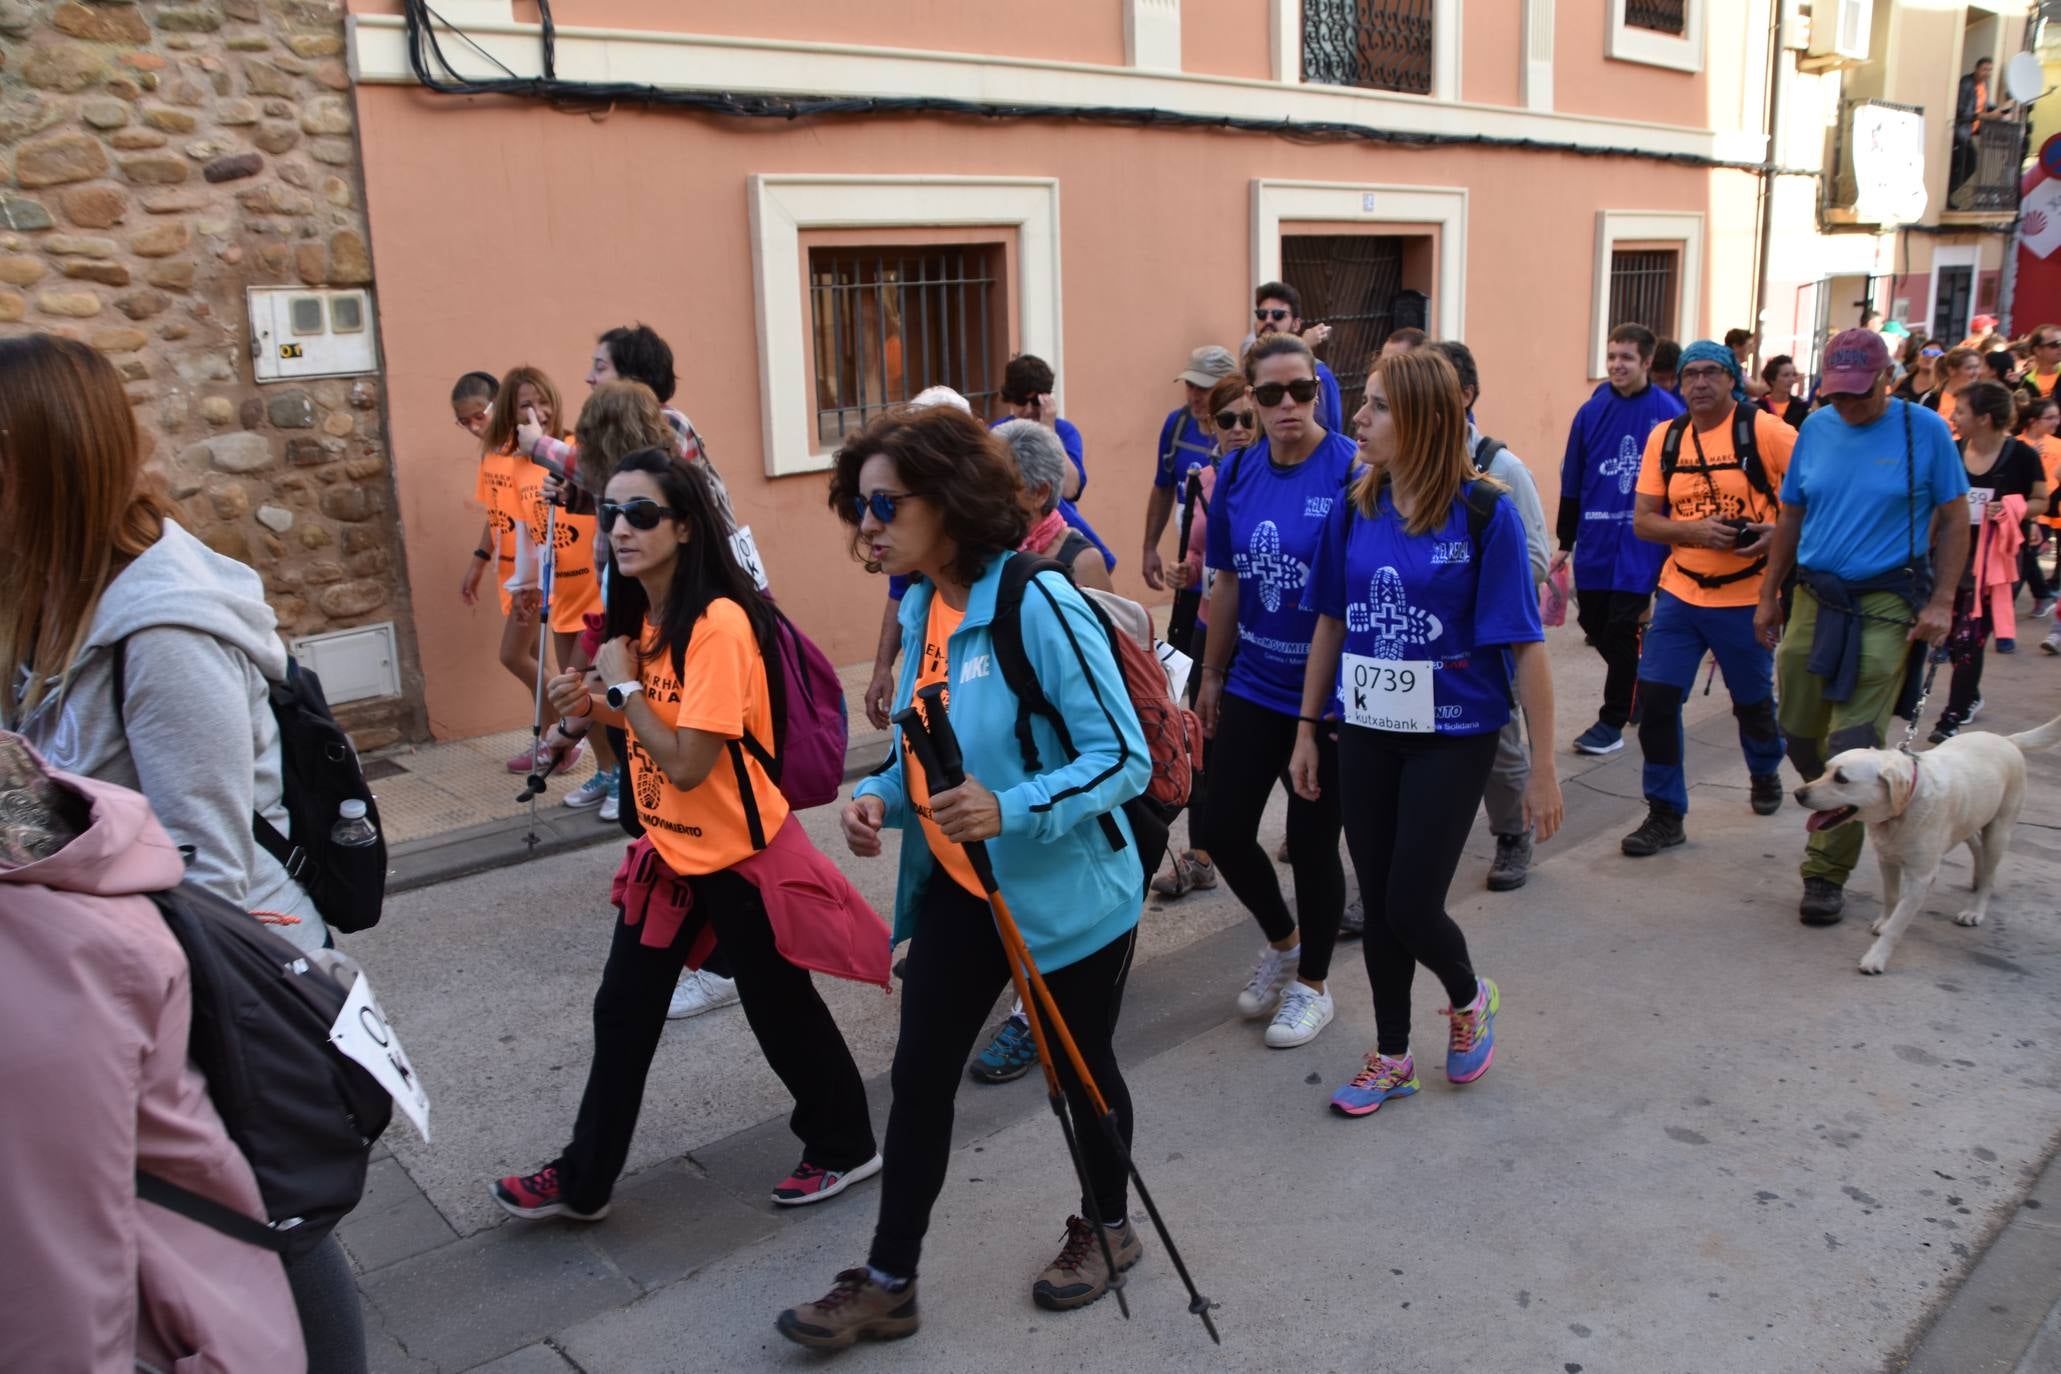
{"x": 1423, "y": 592}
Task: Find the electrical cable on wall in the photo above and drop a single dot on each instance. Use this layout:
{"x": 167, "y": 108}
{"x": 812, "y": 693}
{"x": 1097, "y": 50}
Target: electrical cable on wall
{"x": 434, "y": 71}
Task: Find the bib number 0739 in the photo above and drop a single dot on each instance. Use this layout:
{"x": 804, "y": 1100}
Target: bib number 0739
{"x": 1388, "y": 694}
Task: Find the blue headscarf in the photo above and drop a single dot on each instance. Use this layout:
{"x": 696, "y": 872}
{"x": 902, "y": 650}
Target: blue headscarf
{"x": 1709, "y": 351}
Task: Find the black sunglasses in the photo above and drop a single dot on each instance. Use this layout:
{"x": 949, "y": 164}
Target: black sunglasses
{"x": 642, "y": 512}
{"x": 1269, "y": 394}
{"x": 1277, "y": 315}
{"x": 1234, "y": 419}
{"x": 881, "y": 503}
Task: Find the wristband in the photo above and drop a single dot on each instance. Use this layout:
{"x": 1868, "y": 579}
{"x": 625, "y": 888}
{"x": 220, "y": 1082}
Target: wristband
{"x": 483, "y": 555}
{"x": 1311, "y": 720}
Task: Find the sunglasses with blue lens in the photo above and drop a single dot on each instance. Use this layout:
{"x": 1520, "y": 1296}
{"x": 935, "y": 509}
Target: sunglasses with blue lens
{"x": 881, "y": 503}
{"x": 642, "y": 512}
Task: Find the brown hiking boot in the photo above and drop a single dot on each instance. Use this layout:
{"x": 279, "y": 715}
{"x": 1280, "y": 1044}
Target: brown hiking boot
{"x": 856, "y": 1309}
{"x": 1080, "y": 1275}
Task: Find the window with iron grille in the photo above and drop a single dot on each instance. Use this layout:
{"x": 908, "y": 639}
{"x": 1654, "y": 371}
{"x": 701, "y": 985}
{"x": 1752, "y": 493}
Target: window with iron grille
{"x": 1350, "y": 282}
{"x": 1643, "y": 287}
{"x": 891, "y": 321}
{"x": 1384, "y": 45}
{"x": 1662, "y": 16}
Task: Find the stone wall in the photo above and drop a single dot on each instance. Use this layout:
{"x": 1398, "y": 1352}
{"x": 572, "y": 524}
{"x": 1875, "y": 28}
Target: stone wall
{"x": 155, "y": 160}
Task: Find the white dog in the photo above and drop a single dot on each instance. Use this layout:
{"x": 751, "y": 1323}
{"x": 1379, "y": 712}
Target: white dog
{"x": 1917, "y": 807}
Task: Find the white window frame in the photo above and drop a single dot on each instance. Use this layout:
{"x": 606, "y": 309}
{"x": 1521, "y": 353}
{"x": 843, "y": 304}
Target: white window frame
{"x": 783, "y": 205}
{"x": 1285, "y": 26}
{"x": 1683, "y": 229}
{"x": 1152, "y": 34}
{"x": 1630, "y": 43}
{"x": 1967, "y": 255}
{"x": 1277, "y": 203}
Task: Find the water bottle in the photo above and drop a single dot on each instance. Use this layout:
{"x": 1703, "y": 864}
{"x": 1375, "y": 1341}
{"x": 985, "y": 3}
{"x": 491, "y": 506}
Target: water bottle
{"x": 352, "y": 829}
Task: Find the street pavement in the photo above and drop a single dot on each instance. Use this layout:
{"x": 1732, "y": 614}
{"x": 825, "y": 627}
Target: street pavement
{"x": 1707, "y": 1144}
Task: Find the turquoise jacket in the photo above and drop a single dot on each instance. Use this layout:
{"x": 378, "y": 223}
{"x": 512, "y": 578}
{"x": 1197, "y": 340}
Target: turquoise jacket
{"x": 1070, "y": 893}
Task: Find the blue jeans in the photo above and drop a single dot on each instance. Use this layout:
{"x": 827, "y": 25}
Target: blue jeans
{"x": 1676, "y": 641}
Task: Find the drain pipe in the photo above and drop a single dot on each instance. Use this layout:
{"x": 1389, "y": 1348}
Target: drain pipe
{"x": 1778, "y": 71}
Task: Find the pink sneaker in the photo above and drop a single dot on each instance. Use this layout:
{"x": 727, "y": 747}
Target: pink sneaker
{"x": 810, "y": 1184}
{"x": 522, "y": 762}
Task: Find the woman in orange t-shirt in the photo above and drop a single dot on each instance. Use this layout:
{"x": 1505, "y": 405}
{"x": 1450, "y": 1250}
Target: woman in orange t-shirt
{"x": 472, "y": 407}
{"x": 684, "y": 670}
{"x": 2039, "y": 418}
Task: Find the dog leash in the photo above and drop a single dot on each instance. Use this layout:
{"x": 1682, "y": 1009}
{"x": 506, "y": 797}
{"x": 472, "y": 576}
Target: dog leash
{"x": 1933, "y": 658}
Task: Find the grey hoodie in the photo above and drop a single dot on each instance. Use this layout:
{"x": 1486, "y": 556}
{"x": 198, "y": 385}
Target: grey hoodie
{"x": 201, "y": 741}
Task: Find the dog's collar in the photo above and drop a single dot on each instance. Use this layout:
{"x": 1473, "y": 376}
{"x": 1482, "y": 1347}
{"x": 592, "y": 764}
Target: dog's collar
{"x": 1898, "y": 814}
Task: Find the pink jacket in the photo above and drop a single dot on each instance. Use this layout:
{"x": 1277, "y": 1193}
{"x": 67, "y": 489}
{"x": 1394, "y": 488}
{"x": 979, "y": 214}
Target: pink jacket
{"x": 1996, "y": 557}
{"x": 94, "y": 1002}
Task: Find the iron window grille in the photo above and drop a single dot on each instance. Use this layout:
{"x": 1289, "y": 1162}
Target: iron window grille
{"x": 1384, "y": 45}
{"x": 1643, "y": 287}
{"x": 1348, "y": 281}
{"x": 891, "y": 322}
{"x": 1661, "y": 16}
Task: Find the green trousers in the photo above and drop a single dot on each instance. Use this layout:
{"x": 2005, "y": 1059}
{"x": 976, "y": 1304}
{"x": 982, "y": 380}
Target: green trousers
{"x": 1807, "y": 718}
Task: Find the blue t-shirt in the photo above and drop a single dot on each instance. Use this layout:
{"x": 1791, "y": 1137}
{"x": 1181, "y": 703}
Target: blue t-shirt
{"x": 1183, "y": 447}
{"x": 1330, "y": 410}
{"x": 1864, "y": 512}
{"x": 1264, "y": 524}
{"x": 1426, "y": 626}
{"x": 1605, "y": 446}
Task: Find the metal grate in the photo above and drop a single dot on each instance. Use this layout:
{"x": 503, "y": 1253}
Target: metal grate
{"x": 1950, "y": 312}
{"x": 1348, "y": 281}
{"x": 1384, "y": 45}
{"x": 1643, "y": 287}
{"x": 890, "y": 323}
{"x": 1986, "y": 169}
{"x": 1662, "y": 16}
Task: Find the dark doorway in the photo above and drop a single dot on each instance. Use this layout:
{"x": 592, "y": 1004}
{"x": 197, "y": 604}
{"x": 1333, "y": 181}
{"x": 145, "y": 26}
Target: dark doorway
{"x": 1950, "y": 314}
{"x": 1350, "y": 282}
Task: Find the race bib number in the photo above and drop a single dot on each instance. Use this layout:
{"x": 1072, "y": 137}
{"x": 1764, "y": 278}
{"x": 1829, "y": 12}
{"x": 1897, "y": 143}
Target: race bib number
{"x": 361, "y": 1033}
{"x": 1978, "y": 503}
{"x": 1388, "y": 694}
{"x": 745, "y": 550}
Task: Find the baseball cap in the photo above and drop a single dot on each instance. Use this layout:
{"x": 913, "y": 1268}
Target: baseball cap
{"x": 1854, "y": 360}
{"x": 1208, "y": 365}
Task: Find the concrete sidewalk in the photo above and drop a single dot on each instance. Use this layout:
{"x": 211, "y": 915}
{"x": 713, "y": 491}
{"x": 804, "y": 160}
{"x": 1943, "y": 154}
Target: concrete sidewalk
{"x": 1707, "y": 1144}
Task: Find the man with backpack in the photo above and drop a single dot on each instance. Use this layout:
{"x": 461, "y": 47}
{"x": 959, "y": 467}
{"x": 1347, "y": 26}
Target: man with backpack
{"x": 1707, "y": 489}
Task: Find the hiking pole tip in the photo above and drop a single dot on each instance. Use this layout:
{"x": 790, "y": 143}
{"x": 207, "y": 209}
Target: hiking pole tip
{"x": 1200, "y": 1307}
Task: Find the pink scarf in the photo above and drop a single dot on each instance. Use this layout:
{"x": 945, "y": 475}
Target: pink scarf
{"x": 1044, "y": 532}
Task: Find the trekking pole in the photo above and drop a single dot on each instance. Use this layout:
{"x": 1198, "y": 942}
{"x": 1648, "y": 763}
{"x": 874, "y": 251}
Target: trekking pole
{"x": 533, "y": 786}
{"x": 936, "y": 746}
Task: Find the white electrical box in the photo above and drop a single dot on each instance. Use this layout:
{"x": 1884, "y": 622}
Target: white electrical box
{"x": 311, "y": 331}
{"x": 354, "y": 665}
{"x": 1841, "y": 29}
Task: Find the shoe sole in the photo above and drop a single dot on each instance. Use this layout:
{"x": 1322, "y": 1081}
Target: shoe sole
{"x": 982, "y": 1074}
{"x": 708, "y": 1006}
{"x": 1496, "y": 884}
{"x": 858, "y": 1175}
{"x": 884, "y": 1329}
{"x": 1495, "y": 1006}
{"x": 1469, "y": 1078}
{"x": 1056, "y": 1304}
{"x": 553, "y": 1209}
{"x": 1273, "y": 1005}
{"x": 2049, "y": 649}
{"x": 574, "y": 802}
{"x": 1632, "y": 853}
{"x": 1274, "y": 1044}
{"x": 1355, "y": 1113}
{"x": 1581, "y": 748}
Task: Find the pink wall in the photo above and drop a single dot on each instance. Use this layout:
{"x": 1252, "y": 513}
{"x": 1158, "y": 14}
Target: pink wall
{"x": 1226, "y": 38}
{"x": 1492, "y": 52}
{"x": 1587, "y": 82}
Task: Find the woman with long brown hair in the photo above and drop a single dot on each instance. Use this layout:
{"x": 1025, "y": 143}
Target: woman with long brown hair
{"x": 1423, "y": 591}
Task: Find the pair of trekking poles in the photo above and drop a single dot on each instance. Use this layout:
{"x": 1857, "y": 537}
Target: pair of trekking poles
{"x": 936, "y": 746}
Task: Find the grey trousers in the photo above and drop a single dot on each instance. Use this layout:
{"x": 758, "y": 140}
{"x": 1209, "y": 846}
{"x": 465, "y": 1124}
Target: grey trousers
{"x": 1508, "y": 776}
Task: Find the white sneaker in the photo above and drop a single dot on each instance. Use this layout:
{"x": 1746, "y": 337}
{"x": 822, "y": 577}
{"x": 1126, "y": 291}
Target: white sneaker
{"x": 611, "y": 807}
{"x": 700, "y": 991}
{"x": 1269, "y": 976}
{"x": 1304, "y": 1011}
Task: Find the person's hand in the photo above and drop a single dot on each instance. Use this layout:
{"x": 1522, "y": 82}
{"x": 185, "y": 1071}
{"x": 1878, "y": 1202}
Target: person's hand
{"x": 1208, "y": 700}
{"x": 967, "y": 813}
{"x": 880, "y": 695}
{"x": 1302, "y": 766}
{"x": 553, "y": 488}
{"x": 568, "y": 694}
{"x": 1315, "y": 334}
{"x": 616, "y": 660}
{"x": 1932, "y": 625}
{"x": 1154, "y": 568}
{"x": 1045, "y": 410}
{"x": 1763, "y": 537}
{"x": 528, "y": 432}
{"x": 1560, "y": 560}
{"x": 468, "y": 589}
{"x": 526, "y": 605}
{"x": 1180, "y": 575}
{"x": 862, "y": 819}
{"x": 1767, "y": 622}
{"x": 1543, "y": 807}
{"x": 1707, "y": 533}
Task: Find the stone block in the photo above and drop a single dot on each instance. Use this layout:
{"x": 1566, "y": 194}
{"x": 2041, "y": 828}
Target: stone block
{"x": 12, "y": 306}
{"x": 229, "y": 541}
{"x": 315, "y": 44}
{"x": 326, "y": 115}
{"x": 248, "y": 42}
{"x": 296, "y": 174}
{"x": 217, "y": 410}
{"x": 369, "y": 465}
{"x": 364, "y": 396}
{"x": 237, "y": 453}
{"x": 311, "y": 261}
{"x": 236, "y": 112}
{"x": 332, "y": 75}
{"x": 105, "y": 114}
{"x": 338, "y": 424}
{"x": 17, "y": 17}
{"x": 174, "y": 201}
{"x": 349, "y": 262}
{"x": 90, "y": 269}
{"x": 337, "y": 152}
{"x": 95, "y": 207}
{"x": 315, "y": 537}
{"x": 63, "y": 67}
{"x": 119, "y": 339}
{"x": 59, "y": 159}
{"x": 22, "y": 213}
{"x": 189, "y": 18}
{"x": 156, "y": 169}
{"x": 134, "y": 369}
{"x": 20, "y": 270}
{"x": 161, "y": 240}
{"x": 137, "y": 140}
{"x": 322, "y": 572}
{"x": 78, "y": 246}
{"x": 348, "y": 599}
{"x": 145, "y": 61}
{"x": 30, "y": 113}
{"x": 349, "y": 504}
{"x": 270, "y": 198}
{"x": 233, "y": 168}
{"x": 101, "y": 23}
{"x": 291, "y": 410}
{"x": 263, "y": 77}
{"x": 174, "y": 274}
{"x": 170, "y": 120}
{"x": 208, "y": 149}
{"x": 278, "y": 519}
{"x": 359, "y": 538}
{"x": 76, "y": 305}
{"x": 230, "y": 500}
{"x": 174, "y": 329}
{"x": 276, "y": 137}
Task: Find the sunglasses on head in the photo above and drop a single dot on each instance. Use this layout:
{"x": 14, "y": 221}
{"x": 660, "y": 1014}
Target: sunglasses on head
{"x": 1302, "y": 389}
{"x": 1276, "y": 314}
{"x": 881, "y": 503}
{"x": 642, "y": 512}
{"x": 1234, "y": 419}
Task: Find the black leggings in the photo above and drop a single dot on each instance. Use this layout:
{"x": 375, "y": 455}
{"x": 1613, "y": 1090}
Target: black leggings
{"x": 1611, "y": 621}
{"x": 1413, "y": 797}
{"x": 795, "y": 1030}
{"x": 1253, "y": 749}
{"x": 955, "y": 969}
{"x": 1198, "y": 786}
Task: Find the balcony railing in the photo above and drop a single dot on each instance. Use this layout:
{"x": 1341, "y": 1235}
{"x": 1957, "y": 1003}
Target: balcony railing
{"x": 1986, "y": 168}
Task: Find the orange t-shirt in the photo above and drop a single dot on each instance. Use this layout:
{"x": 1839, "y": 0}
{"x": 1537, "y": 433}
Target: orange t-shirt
{"x": 722, "y": 692}
{"x": 2042, "y": 384}
{"x": 1726, "y": 494}
{"x": 574, "y": 589}
{"x": 2050, "y": 459}
{"x": 496, "y": 491}
{"x": 1945, "y": 407}
{"x": 936, "y": 667}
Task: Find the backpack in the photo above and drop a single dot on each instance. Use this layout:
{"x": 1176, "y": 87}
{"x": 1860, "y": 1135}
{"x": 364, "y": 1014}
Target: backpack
{"x": 303, "y": 1115}
{"x": 810, "y": 727}
{"x": 1173, "y": 735}
{"x": 1481, "y": 501}
{"x": 1486, "y": 454}
{"x": 1746, "y": 448}
{"x": 320, "y": 771}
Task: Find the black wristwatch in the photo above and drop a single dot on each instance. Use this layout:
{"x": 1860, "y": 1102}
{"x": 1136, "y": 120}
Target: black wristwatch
{"x": 483, "y": 555}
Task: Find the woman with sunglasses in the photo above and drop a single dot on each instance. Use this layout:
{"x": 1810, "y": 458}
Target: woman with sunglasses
{"x": 1232, "y": 424}
{"x": 931, "y": 495}
{"x": 1421, "y": 603}
{"x": 684, "y": 669}
{"x": 1271, "y": 503}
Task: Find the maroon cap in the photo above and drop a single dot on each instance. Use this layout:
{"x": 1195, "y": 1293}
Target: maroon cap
{"x": 1854, "y": 360}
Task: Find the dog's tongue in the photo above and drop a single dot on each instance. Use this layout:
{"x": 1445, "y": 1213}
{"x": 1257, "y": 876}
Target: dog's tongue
{"x": 1820, "y": 820}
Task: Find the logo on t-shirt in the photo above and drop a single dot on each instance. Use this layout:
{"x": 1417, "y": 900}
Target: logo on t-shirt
{"x": 1624, "y": 467}
{"x": 1263, "y": 562}
{"x": 1445, "y": 551}
{"x": 1387, "y": 614}
{"x": 1316, "y": 507}
{"x": 974, "y": 667}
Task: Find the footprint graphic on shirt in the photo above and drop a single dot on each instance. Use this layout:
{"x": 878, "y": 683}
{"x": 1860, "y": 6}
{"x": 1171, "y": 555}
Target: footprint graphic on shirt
{"x": 1387, "y": 614}
{"x": 1263, "y": 562}
{"x": 1624, "y": 467}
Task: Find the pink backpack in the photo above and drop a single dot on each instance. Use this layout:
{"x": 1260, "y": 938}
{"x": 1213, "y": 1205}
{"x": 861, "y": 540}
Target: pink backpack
{"x": 810, "y": 726}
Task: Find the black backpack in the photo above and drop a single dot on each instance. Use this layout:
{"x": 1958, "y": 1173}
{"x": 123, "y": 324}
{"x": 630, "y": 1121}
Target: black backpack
{"x": 320, "y": 771}
{"x": 302, "y": 1114}
{"x": 1746, "y": 449}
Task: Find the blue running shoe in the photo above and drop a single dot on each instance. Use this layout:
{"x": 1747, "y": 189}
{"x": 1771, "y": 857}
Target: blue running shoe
{"x": 1473, "y": 1042}
{"x": 1382, "y": 1079}
{"x": 1599, "y": 739}
{"x": 1009, "y": 1055}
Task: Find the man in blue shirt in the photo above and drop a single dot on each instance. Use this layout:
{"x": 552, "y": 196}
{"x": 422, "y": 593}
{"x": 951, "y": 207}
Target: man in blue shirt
{"x": 1277, "y": 308}
{"x": 1615, "y": 571}
{"x": 1869, "y": 485}
{"x": 1185, "y": 447}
